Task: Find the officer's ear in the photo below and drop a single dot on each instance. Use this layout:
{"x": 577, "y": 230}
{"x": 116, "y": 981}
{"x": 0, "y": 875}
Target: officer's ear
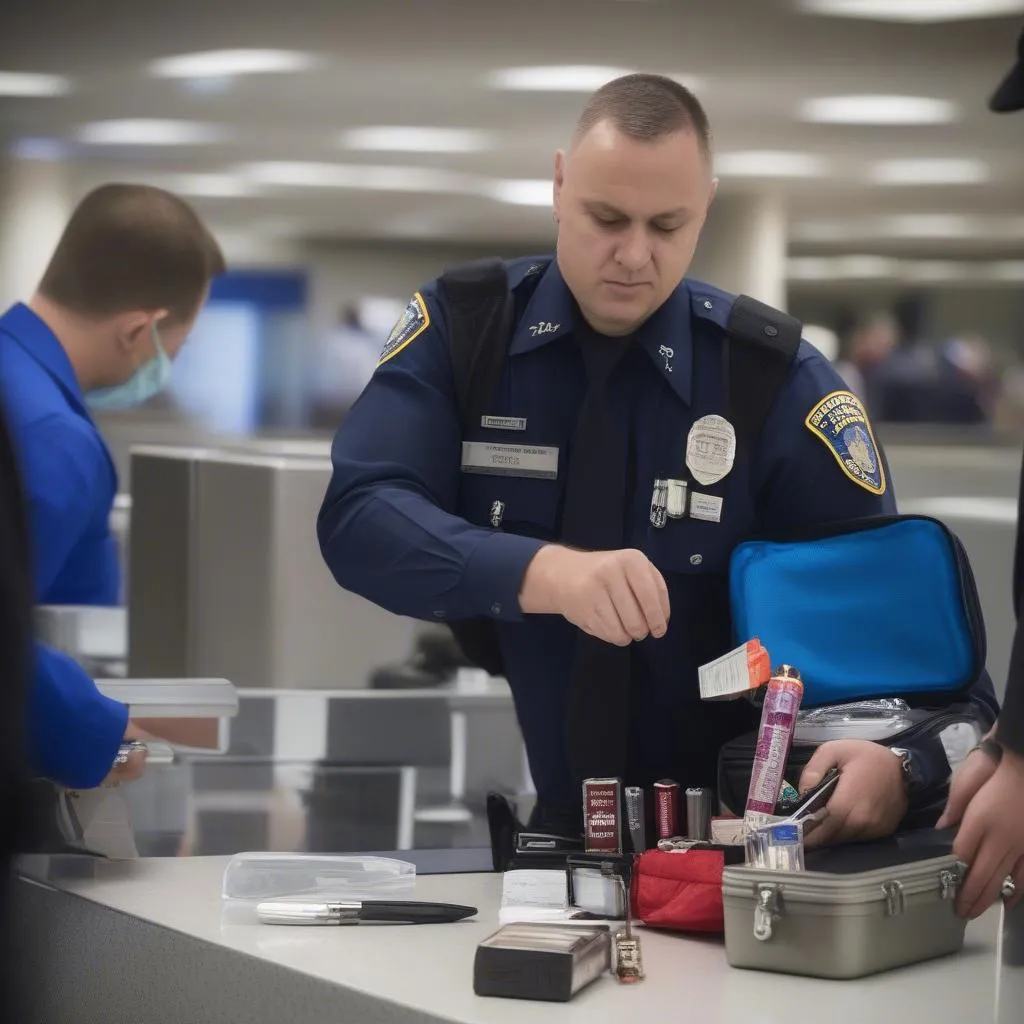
{"x": 712, "y": 192}
{"x": 560, "y": 159}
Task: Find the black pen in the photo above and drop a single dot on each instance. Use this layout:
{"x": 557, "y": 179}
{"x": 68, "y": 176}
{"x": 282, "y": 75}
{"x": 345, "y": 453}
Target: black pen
{"x": 352, "y": 912}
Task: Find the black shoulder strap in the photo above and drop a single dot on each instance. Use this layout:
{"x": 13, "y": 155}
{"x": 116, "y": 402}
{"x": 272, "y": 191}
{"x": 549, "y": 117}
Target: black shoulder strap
{"x": 479, "y": 308}
{"x": 761, "y": 344}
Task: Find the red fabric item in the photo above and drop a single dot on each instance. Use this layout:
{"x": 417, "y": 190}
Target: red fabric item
{"x": 679, "y": 891}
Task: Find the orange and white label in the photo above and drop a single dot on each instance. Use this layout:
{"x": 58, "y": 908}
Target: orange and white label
{"x": 735, "y": 673}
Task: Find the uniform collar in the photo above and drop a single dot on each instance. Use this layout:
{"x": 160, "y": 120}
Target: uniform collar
{"x": 666, "y": 337}
{"x": 30, "y": 332}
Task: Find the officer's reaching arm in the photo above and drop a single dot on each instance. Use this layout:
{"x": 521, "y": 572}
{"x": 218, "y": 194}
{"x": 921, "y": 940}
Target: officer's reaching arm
{"x": 388, "y": 531}
{"x": 387, "y": 527}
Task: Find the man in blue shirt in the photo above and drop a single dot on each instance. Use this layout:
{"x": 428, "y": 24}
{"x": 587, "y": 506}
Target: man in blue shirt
{"x": 427, "y": 526}
{"x": 115, "y": 305}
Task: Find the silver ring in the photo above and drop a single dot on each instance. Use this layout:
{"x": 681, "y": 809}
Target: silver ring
{"x": 1009, "y": 889}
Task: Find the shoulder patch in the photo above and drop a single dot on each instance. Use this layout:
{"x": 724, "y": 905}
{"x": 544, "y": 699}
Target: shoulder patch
{"x": 841, "y": 422}
{"x": 412, "y": 323}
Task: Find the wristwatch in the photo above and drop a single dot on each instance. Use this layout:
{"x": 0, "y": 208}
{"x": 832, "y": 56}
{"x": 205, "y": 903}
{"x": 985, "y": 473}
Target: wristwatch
{"x": 911, "y": 775}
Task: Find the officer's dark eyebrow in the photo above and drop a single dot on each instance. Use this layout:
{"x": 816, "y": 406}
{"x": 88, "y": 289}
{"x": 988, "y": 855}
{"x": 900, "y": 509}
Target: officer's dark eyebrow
{"x": 610, "y": 212}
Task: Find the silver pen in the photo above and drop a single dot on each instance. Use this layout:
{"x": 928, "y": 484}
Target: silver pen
{"x": 355, "y": 912}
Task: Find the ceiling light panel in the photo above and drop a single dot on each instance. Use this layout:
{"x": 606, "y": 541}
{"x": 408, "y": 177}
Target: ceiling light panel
{"x": 290, "y": 174}
{"x": 18, "y": 83}
{"x": 913, "y": 11}
{"x": 878, "y": 110}
{"x": 942, "y": 171}
{"x": 147, "y": 132}
{"x": 523, "y": 191}
{"x": 388, "y": 139}
{"x": 769, "y": 164}
{"x": 555, "y": 78}
{"x": 231, "y": 63}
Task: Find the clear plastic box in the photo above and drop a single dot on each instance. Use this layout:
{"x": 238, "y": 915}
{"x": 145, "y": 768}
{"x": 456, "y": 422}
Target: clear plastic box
{"x": 250, "y": 877}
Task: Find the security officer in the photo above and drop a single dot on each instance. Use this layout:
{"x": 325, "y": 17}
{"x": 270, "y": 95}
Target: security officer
{"x": 551, "y": 524}
{"x": 116, "y": 302}
{"x": 987, "y": 793}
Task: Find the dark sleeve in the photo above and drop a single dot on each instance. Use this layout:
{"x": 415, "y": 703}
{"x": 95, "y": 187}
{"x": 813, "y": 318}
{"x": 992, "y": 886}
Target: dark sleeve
{"x": 387, "y": 527}
{"x": 806, "y": 476}
{"x": 15, "y": 652}
{"x": 1010, "y": 727}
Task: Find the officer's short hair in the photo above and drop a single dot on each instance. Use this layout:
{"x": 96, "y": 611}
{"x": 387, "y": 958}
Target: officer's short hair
{"x": 130, "y": 247}
{"x": 645, "y": 108}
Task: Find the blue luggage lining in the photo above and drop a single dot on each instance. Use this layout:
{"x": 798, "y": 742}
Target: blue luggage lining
{"x": 877, "y": 607}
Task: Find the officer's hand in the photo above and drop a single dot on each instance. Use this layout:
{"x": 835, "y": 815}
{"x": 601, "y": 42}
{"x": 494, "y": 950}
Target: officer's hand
{"x": 869, "y": 800}
{"x": 135, "y": 766}
{"x": 969, "y": 777}
{"x": 616, "y": 596}
{"x": 991, "y": 837}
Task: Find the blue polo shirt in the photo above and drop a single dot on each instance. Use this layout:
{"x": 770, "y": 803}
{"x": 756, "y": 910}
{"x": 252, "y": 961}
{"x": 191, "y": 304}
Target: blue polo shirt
{"x": 70, "y": 483}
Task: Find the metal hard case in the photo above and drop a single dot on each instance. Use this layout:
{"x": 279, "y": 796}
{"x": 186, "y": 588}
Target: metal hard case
{"x": 842, "y": 925}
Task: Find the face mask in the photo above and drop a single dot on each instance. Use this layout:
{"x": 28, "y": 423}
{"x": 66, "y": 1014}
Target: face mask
{"x": 148, "y": 380}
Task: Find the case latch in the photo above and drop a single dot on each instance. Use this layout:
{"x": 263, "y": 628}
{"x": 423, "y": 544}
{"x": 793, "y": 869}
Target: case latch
{"x": 949, "y": 881}
{"x": 766, "y": 911}
{"x": 894, "y": 902}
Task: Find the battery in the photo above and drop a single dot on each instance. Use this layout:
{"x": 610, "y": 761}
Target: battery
{"x": 666, "y": 808}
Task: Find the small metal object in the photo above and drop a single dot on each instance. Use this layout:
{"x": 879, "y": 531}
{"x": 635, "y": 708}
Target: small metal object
{"x": 676, "y": 499}
{"x": 680, "y": 844}
{"x": 628, "y": 965}
{"x": 636, "y": 818}
{"x": 659, "y": 504}
{"x": 894, "y": 901}
{"x": 949, "y": 881}
{"x": 766, "y": 911}
{"x": 125, "y": 751}
{"x": 698, "y": 812}
{"x": 1009, "y": 889}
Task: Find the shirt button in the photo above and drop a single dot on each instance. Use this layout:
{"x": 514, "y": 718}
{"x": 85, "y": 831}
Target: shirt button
{"x": 495, "y": 608}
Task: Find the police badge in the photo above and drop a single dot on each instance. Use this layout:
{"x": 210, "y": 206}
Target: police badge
{"x": 841, "y": 421}
{"x": 413, "y": 322}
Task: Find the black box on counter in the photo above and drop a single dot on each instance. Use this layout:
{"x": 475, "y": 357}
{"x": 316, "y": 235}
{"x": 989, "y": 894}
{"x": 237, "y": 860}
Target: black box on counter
{"x": 548, "y": 962}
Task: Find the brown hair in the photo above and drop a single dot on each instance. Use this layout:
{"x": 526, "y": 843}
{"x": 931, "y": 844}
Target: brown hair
{"x": 129, "y": 247}
{"x": 646, "y": 108}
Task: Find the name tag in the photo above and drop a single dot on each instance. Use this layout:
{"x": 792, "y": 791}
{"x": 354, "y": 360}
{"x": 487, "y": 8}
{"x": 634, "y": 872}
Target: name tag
{"x": 510, "y": 459}
{"x": 503, "y": 422}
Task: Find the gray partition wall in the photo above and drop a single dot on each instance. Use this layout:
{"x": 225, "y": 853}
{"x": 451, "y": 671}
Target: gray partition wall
{"x": 227, "y": 578}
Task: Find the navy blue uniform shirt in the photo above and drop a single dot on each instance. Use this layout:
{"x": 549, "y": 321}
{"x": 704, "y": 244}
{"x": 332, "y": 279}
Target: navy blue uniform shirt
{"x": 403, "y": 526}
{"x": 70, "y": 483}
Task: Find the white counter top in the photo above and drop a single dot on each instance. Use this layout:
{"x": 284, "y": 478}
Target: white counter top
{"x": 428, "y": 969}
